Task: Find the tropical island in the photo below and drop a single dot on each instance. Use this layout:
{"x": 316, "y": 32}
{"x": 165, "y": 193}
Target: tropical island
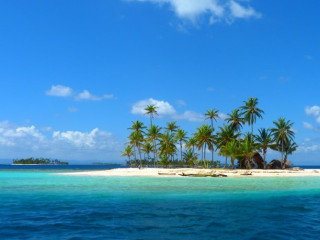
{"x": 170, "y": 151}
{"x": 38, "y": 161}
{"x": 171, "y": 146}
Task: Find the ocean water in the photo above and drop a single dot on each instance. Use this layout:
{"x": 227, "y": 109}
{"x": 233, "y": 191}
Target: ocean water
{"x": 38, "y": 204}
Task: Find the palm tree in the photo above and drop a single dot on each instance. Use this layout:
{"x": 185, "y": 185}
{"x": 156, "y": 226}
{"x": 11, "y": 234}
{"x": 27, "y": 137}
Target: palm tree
{"x": 232, "y": 150}
{"x": 224, "y": 136}
{"x": 288, "y": 150}
{"x": 128, "y": 152}
{"x": 190, "y": 157}
{"x": 167, "y": 145}
{"x": 147, "y": 148}
{"x": 282, "y": 134}
{"x": 213, "y": 115}
{"x": 151, "y": 110}
{"x": 171, "y": 127}
{"x": 264, "y": 140}
{"x": 235, "y": 120}
{"x": 181, "y": 137}
{"x": 247, "y": 149}
{"x": 136, "y": 139}
{"x": 153, "y": 135}
{"x": 250, "y": 112}
{"x": 137, "y": 126}
{"x": 191, "y": 143}
{"x": 204, "y": 138}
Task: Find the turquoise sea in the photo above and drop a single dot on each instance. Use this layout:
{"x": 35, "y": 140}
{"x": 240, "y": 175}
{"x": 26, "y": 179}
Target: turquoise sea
{"x": 37, "y": 204}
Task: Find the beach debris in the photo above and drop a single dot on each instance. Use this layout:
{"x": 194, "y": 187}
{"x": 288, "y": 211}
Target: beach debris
{"x": 297, "y": 169}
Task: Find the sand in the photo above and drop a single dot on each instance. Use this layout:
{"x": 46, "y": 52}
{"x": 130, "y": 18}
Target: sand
{"x": 193, "y": 172}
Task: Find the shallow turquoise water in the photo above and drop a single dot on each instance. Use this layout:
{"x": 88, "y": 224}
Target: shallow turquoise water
{"x": 41, "y": 205}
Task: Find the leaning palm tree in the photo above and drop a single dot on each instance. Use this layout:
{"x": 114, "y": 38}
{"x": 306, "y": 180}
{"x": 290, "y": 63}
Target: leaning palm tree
{"x": 235, "y": 120}
{"x": 250, "y": 112}
{"x": 151, "y": 110}
{"x": 265, "y": 141}
{"x": 128, "y": 152}
{"x": 282, "y": 134}
{"x": 289, "y": 148}
{"x": 181, "y": 137}
{"x": 136, "y": 139}
{"x": 153, "y": 134}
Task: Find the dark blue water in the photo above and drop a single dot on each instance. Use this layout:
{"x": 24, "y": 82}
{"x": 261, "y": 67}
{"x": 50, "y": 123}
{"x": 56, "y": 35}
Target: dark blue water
{"x": 42, "y": 205}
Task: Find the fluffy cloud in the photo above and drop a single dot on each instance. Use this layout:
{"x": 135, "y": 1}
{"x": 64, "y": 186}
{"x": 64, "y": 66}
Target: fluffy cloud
{"x": 26, "y": 141}
{"x": 190, "y": 116}
{"x": 215, "y": 9}
{"x": 163, "y": 108}
{"x": 240, "y": 11}
{"x": 63, "y": 91}
{"x": 314, "y": 111}
{"x": 59, "y": 91}
{"x": 86, "y": 95}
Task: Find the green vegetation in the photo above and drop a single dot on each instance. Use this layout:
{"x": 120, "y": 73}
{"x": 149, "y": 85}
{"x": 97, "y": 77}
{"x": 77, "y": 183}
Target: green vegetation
{"x": 170, "y": 146}
{"x": 44, "y": 161}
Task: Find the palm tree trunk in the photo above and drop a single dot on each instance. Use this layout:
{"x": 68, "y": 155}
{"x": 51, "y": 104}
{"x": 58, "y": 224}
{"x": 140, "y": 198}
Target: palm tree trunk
{"x": 154, "y": 154}
{"x": 212, "y": 152}
{"x": 282, "y": 155}
{"x": 140, "y": 157}
{"x": 232, "y": 162}
{"x": 225, "y": 166}
{"x": 249, "y": 162}
{"x": 181, "y": 149}
{"x": 202, "y": 153}
{"x": 264, "y": 158}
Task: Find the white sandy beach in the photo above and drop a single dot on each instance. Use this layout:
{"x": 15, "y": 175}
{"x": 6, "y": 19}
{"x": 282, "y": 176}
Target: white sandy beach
{"x": 185, "y": 172}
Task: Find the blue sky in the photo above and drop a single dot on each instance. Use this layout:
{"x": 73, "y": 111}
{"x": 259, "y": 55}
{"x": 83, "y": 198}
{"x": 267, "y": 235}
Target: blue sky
{"x": 75, "y": 74}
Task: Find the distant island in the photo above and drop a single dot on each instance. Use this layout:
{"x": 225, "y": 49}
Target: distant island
{"x": 40, "y": 161}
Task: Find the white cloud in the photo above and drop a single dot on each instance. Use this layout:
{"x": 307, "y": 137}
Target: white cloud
{"x": 86, "y": 95}
{"x": 163, "y": 108}
{"x": 59, "y": 91}
{"x": 27, "y": 141}
{"x": 63, "y": 91}
{"x": 240, "y": 11}
{"x": 222, "y": 116}
{"x": 190, "y": 116}
{"x": 310, "y": 148}
{"x": 314, "y": 111}
{"x": 216, "y": 10}
{"x": 311, "y": 127}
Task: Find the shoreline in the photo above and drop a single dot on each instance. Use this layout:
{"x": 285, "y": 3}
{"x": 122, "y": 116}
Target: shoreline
{"x": 194, "y": 172}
